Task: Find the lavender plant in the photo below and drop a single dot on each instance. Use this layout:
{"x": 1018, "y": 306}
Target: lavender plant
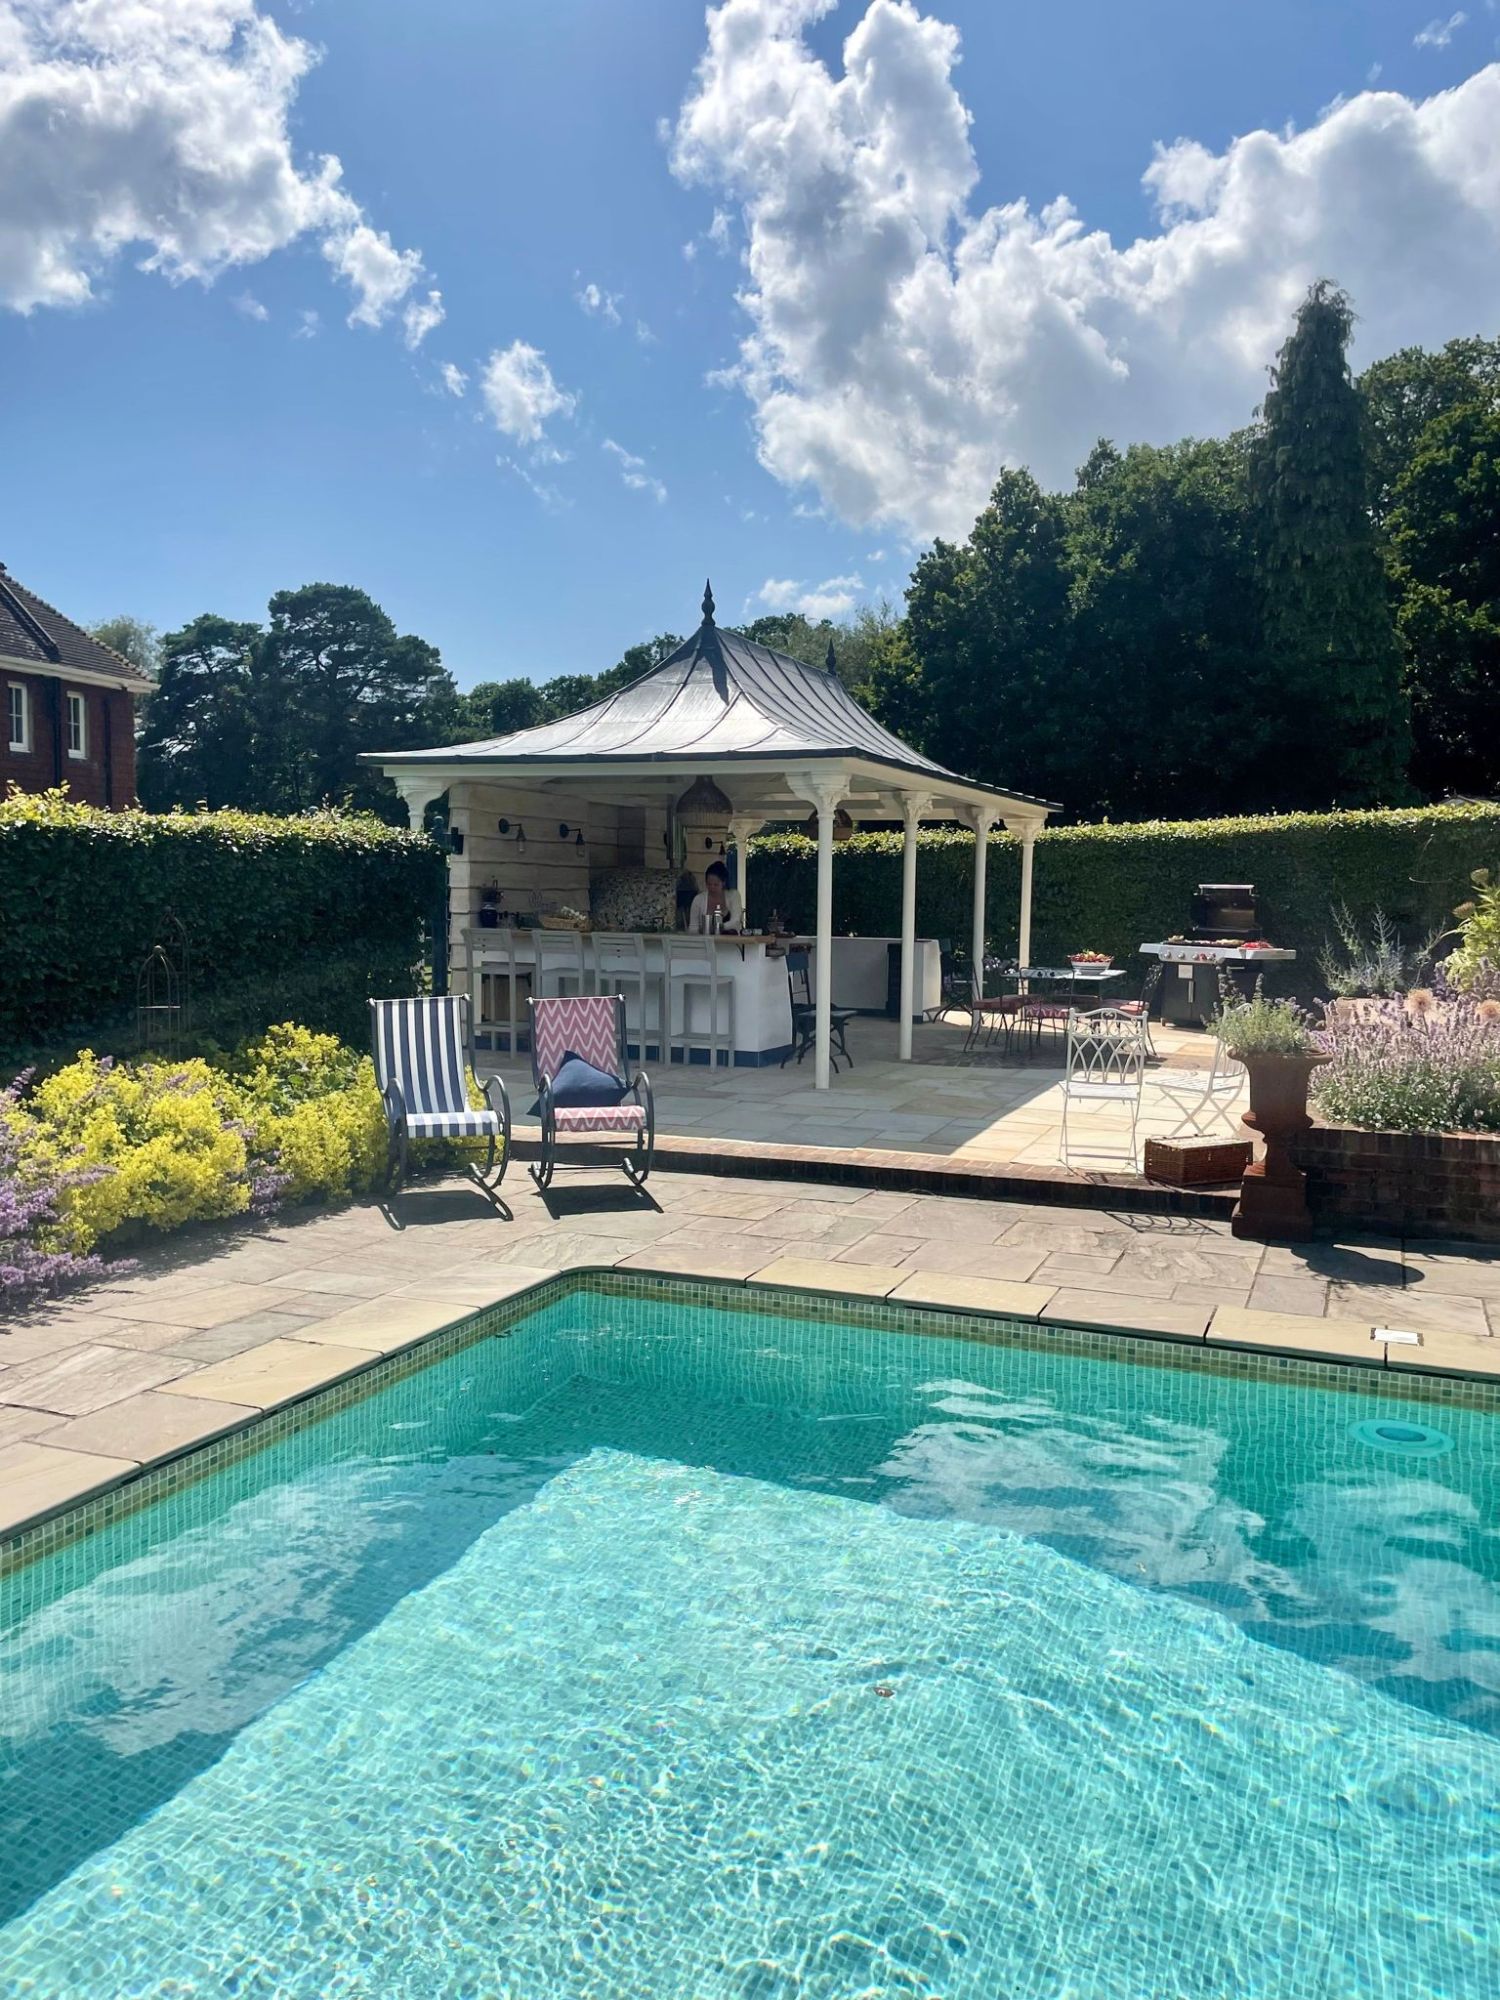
{"x": 1429, "y": 1062}
{"x": 30, "y": 1207}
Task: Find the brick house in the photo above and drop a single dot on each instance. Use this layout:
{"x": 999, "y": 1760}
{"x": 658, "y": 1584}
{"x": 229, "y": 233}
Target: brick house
{"x": 69, "y": 704}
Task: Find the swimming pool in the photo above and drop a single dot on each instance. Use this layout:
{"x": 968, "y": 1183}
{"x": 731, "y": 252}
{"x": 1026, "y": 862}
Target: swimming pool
{"x": 667, "y": 1645}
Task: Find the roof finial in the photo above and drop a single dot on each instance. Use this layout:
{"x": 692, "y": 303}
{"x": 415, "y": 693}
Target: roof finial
{"x": 831, "y": 663}
{"x": 708, "y": 603}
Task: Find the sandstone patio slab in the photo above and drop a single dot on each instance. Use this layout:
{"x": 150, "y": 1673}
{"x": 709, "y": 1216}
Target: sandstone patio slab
{"x": 35, "y": 1479}
{"x": 275, "y": 1373}
{"x": 1447, "y": 1354}
{"x": 381, "y": 1326}
{"x": 978, "y": 1295}
{"x": 85, "y": 1378}
{"x": 150, "y": 1426}
{"x": 1295, "y": 1333}
{"x": 811, "y": 1274}
{"x": 1127, "y": 1312}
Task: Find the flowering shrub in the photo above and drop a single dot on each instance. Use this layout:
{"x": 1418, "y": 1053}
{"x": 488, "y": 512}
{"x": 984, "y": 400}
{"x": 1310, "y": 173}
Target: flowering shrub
{"x": 1262, "y": 1026}
{"x": 314, "y": 1113}
{"x": 1427, "y": 1063}
{"x": 1475, "y": 966}
{"x": 29, "y": 1213}
{"x": 102, "y": 1150}
{"x": 157, "y": 1146}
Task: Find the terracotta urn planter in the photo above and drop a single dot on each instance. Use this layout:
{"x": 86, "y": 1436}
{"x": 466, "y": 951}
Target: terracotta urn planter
{"x": 1273, "y": 1193}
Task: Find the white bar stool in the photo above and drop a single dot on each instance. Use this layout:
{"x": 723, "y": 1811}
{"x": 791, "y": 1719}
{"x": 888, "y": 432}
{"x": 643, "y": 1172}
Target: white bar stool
{"x": 693, "y": 970}
{"x": 561, "y": 967}
{"x": 620, "y": 967}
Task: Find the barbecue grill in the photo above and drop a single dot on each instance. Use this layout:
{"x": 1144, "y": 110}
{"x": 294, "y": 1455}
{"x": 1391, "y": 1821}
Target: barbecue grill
{"x": 1225, "y": 941}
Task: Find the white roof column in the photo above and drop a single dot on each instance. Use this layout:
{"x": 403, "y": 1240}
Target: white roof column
{"x": 825, "y": 790}
{"x": 981, "y": 818}
{"x": 1028, "y": 828}
{"x": 913, "y": 805}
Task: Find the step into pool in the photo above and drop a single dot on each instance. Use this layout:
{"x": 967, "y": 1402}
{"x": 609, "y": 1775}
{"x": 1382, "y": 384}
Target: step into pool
{"x": 653, "y": 1642}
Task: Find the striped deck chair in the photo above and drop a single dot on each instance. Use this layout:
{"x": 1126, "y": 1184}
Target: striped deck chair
{"x": 591, "y": 1026}
{"x": 424, "y": 1051}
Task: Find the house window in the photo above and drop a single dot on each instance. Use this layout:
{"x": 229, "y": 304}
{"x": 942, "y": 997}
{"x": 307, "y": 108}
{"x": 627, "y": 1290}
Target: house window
{"x": 18, "y": 707}
{"x": 78, "y": 726}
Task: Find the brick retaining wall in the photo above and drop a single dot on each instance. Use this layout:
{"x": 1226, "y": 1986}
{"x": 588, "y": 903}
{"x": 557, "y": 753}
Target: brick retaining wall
{"x": 1414, "y": 1183}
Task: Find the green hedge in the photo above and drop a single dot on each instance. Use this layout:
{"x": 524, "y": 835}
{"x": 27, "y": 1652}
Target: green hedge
{"x": 1110, "y": 888}
{"x": 302, "y": 917}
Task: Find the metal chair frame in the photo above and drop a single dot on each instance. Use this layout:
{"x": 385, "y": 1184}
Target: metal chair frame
{"x": 493, "y": 1123}
{"x": 1141, "y": 1007}
{"x": 637, "y": 1163}
{"x": 1207, "y": 1097}
{"x": 1106, "y": 1065}
{"x": 805, "y": 1015}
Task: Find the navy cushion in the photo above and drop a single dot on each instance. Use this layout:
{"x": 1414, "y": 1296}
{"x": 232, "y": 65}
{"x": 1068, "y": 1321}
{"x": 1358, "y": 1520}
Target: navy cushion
{"x": 579, "y": 1084}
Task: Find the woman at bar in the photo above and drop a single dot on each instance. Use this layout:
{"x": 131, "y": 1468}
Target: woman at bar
{"x": 716, "y": 898}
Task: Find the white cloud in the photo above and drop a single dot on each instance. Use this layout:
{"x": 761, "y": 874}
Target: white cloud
{"x": 421, "y": 317}
{"x": 380, "y": 274}
{"x": 834, "y": 597}
{"x": 644, "y": 334}
{"x": 309, "y": 324}
{"x": 520, "y": 394}
{"x": 718, "y": 230}
{"x": 633, "y": 471}
{"x": 904, "y": 345}
{"x": 455, "y": 381}
{"x": 161, "y": 129}
{"x": 1438, "y": 34}
{"x": 600, "y": 304}
{"x": 248, "y": 304}
{"x": 549, "y": 496}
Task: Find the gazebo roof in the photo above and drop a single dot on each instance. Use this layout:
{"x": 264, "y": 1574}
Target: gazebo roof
{"x": 722, "y": 702}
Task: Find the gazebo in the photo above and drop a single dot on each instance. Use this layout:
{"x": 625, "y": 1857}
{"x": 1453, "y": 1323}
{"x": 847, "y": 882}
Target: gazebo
{"x": 776, "y": 737}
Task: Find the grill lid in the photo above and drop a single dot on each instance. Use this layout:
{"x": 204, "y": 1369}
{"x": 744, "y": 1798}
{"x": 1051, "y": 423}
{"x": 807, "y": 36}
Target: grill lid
{"x": 1225, "y": 909}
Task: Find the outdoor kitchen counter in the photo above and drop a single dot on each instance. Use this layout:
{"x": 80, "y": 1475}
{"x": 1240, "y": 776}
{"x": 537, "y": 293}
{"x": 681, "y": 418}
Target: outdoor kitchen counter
{"x": 752, "y": 969}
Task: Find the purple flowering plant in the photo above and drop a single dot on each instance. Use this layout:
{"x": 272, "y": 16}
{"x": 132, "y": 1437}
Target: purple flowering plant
{"x": 1423, "y": 1061}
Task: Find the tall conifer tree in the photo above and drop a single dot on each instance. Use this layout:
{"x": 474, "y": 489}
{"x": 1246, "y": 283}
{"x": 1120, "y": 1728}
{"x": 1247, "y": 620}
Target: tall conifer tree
{"x": 1326, "y": 621}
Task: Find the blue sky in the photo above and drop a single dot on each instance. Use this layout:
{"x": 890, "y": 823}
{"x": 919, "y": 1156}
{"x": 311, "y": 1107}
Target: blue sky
{"x": 189, "y": 443}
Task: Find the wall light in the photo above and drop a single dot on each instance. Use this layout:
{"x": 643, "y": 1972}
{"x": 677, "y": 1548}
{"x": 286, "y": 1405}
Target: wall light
{"x": 503, "y": 827}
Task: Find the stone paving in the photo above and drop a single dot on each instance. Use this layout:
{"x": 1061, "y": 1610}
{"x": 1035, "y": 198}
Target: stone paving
{"x": 942, "y": 1107}
{"x": 212, "y": 1329}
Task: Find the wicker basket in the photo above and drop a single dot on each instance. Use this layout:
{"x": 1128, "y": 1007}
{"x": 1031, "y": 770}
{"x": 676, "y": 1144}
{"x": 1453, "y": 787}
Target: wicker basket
{"x": 1196, "y": 1162}
{"x": 554, "y": 920}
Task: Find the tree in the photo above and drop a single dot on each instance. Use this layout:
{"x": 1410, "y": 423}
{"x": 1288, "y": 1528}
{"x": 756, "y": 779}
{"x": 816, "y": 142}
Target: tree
{"x": 1163, "y": 631}
{"x": 133, "y": 639}
{"x": 988, "y": 623}
{"x": 276, "y": 717}
{"x": 335, "y": 679}
{"x": 498, "y": 708}
{"x": 196, "y": 746}
{"x": 1327, "y": 625}
{"x": 1407, "y": 391}
{"x": 1445, "y": 568}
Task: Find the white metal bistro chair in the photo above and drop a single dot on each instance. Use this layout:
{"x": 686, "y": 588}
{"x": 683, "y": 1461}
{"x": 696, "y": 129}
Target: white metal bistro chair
{"x": 1106, "y": 1069}
{"x": 424, "y": 1054}
{"x": 1205, "y": 1100}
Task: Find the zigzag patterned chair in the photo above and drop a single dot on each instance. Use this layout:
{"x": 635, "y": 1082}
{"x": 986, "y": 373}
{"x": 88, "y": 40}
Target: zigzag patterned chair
{"x": 424, "y": 1052}
{"x": 590, "y": 1026}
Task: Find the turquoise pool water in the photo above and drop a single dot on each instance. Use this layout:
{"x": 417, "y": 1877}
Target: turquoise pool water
{"x": 668, "y": 1652}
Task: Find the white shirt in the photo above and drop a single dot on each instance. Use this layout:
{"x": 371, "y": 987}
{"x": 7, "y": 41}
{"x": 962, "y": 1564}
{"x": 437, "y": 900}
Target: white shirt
{"x": 734, "y": 911}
